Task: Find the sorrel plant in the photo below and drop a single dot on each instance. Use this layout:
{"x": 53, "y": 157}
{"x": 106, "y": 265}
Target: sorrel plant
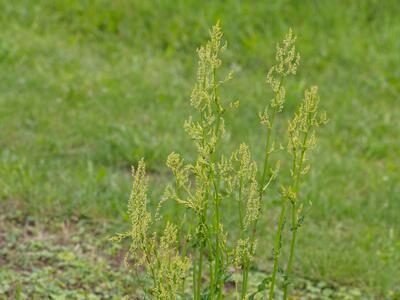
{"x": 195, "y": 259}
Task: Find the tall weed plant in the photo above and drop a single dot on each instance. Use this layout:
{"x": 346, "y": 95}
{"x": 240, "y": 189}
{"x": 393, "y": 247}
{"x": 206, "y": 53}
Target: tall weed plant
{"x": 195, "y": 257}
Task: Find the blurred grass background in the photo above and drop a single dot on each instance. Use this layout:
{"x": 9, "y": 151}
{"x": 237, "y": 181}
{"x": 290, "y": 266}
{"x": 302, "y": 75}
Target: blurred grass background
{"x": 87, "y": 88}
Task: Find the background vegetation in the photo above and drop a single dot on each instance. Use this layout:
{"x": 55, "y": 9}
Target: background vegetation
{"x": 87, "y": 88}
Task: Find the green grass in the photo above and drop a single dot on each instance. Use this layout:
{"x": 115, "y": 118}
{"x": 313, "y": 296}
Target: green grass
{"x": 87, "y": 88}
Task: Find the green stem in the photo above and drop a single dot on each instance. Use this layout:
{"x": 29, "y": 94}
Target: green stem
{"x": 199, "y": 273}
{"x": 244, "y": 282}
{"x": 240, "y": 208}
{"x": 263, "y": 179}
{"x": 153, "y": 275}
{"x": 282, "y": 215}
{"x": 292, "y": 246}
{"x": 266, "y": 156}
{"x": 217, "y": 246}
{"x": 294, "y": 214}
{"x": 242, "y": 230}
{"x": 218, "y": 255}
{"x": 211, "y": 281}
{"x": 277, "y": 248}
{"x": 184, "y": 252}
{"x": 197, "y": 277}
{"x": 194, "y": 279}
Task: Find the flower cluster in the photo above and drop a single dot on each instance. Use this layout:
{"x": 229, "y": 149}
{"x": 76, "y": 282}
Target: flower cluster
{"x": 287, "y": 61}
{"x": 159, "y": 256}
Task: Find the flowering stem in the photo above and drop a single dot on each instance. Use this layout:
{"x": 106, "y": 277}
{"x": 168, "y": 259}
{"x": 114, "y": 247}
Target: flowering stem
{"x": 267, "y": 152}
{"x": 277, "y": 248}
{"x": 242, "y": 229}
{"x": 261, "y": 193}
{"x": 294, "y": 226}
{"x": 218, "y": 253}
{"x": 282, "y": 215}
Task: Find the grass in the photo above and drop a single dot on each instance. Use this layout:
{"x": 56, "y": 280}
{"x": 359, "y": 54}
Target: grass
{"x": 61, "y": 260}
{"x": 87, "y": 88}
{"x": 72, "y": 260}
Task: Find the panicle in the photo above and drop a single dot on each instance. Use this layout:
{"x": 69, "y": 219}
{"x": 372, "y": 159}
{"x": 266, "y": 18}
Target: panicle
{"x": 137, "y": 204}
{"x": 247, "y": 181}
{"x": 171, "y": 267}
{"x": 286, "y": 55}
{"x": 227, "y": 173}
{"x": 194, "y": 130}
{"x": 253, "y": 205}
{"x": 243, "y": 251}
{"x": 238, "y": 171}
{"x": 247, "y": 167}
{"x": 305, "y": 121}
{"x": 302, "y": 127}
{"x": 139, "y": 217}
{"x": 176, "y": 165}
{"x": 209, "y": 61}
{"x": 287, "y": 61}
{"x": 174, "y": 161}
{"x": 264, "y": 118}
{"x": 198, "y": 201}
{"x": 204, "y": 97}
{"x": 216, "y": 45}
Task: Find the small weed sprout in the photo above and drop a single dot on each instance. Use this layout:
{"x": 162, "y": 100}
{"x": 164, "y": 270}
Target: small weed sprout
{"x": 200, "y": 249}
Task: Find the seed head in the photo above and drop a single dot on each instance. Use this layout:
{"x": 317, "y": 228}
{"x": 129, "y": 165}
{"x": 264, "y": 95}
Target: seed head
{"x": 171, "y": 267}
{"x": 176, "y": 165}
{"x": 287, "y": 61}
